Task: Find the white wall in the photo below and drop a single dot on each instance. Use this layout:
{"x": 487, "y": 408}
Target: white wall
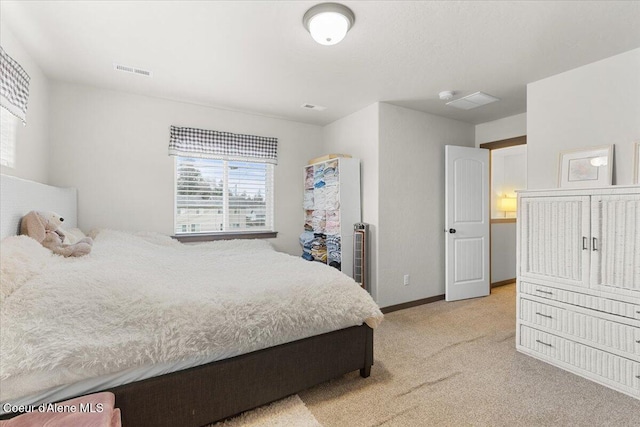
{"x": 505, "y": 128}
{"x": 113, "y": 147}
{"x": 597, "y": 104}
{"x": 411, "y": 195}
{"x": 503, "y": 252}
{"x": 357, "y": 135}
{"x": 32, "y": 140}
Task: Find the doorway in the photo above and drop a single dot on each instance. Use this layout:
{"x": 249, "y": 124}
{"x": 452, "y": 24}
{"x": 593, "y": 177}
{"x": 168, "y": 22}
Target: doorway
{"x": 507, "y": 165}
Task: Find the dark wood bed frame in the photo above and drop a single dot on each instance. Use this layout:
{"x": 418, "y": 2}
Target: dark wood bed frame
{"x": 205, "y": 394}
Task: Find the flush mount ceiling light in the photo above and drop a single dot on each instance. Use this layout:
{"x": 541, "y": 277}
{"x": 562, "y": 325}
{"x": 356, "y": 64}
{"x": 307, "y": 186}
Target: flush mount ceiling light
{"x": 328, "y": 23}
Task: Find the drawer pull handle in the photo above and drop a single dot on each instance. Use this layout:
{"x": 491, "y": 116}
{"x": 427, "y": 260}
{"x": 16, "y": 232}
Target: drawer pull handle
{"x": 544, "y": 343}
{"x": 544, "y": 315}
{"x": 549, "y": 293}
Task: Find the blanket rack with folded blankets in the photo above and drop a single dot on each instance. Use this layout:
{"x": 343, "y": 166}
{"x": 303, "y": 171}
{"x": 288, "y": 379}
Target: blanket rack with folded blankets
{"x": 180, "y": 334}
{"x": 331, "y": 207}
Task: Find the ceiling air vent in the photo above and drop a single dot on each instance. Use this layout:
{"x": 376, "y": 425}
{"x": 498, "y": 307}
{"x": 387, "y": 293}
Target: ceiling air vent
{"x": 132, "y": 70}
{"x": 313, "y": 107}
{"x": 474, "y": 100}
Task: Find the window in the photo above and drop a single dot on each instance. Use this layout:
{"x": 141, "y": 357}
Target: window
{"x": 14, "y": 95}
{"x": 8, "y": 126}
{"x": 223, "y": 182}
{"x": 223, "y": 195}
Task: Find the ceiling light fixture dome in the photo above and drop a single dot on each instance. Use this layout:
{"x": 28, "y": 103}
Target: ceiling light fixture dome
{"x": 328, "y": 23}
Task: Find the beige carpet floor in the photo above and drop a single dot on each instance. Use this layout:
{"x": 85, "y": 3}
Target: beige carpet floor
{"x": 455, "y": 364}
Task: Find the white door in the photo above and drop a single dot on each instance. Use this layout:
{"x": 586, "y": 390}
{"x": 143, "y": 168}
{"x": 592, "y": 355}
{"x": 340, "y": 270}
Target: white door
{"x": 466, "y": 222}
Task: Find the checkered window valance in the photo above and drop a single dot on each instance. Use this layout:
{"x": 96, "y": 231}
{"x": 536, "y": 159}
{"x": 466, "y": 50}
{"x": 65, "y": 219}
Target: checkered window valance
{"x": 211, "y": 144}
{"x": 14, "y": 86}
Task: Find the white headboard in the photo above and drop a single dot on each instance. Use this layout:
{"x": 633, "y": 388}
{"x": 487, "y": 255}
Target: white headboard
{"x": 19, "y": 196}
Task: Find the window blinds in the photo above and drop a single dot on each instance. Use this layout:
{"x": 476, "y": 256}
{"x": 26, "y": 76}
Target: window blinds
{"x": 221, "y": 195}
{"x": 8, "y": 124}
{"x": 14, "y": 86}
{"x": 211, "y": 144}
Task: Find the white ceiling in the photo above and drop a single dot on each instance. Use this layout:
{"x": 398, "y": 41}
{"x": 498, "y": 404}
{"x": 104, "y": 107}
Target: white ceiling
{"x": 256, "y": 56}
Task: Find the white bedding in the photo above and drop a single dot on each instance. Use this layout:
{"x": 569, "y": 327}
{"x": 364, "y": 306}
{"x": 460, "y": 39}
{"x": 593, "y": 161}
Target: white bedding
{"x": 143, "y": 299}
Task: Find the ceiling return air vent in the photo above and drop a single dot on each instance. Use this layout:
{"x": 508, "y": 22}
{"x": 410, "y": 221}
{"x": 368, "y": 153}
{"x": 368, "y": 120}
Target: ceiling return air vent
{"x": 132, "y": 70}
{"x": 474, "y": 100}
{"x": 313, "y": 107}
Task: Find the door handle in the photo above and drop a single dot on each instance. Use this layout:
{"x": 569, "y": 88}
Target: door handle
{"x": 593, "y": 244}
{"x": 452, "y": 230}
{"x": 584, "y": 243}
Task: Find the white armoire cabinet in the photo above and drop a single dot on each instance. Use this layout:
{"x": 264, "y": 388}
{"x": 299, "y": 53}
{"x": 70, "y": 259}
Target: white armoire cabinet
{"x": 331, "y": 208}
{"x": 578, "y": 300}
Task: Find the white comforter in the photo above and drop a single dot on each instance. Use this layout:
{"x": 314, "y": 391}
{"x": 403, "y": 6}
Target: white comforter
{"x": 145, "y": 298}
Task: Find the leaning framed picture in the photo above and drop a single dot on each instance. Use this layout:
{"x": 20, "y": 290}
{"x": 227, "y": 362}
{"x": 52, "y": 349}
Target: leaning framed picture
{"x": 586, "y": 167}
{"x": 636, "y": 170}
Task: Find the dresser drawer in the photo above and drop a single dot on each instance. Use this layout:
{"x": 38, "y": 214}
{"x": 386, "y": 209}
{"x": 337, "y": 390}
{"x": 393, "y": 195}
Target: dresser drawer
{"x": 613, "y": 369}
{"x": 605, "y": 305}
{"x": 614, "y": 335}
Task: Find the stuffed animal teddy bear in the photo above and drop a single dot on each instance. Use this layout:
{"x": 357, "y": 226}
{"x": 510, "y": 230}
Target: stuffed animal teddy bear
{"x": 45, "y": 228}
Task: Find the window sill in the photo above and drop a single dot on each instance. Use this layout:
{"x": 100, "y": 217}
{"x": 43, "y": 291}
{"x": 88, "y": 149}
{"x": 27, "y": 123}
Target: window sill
{"x": 208, "y": 237}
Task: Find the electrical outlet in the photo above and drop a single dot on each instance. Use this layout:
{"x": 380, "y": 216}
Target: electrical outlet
{"x": 406, "y": 280}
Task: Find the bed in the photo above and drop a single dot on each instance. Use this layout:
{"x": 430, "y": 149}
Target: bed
{"x": 182, "y": 335}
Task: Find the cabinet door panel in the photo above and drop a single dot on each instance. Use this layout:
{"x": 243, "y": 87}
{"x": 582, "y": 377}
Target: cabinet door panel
{"x": 615, "y": 254}
{"x": 554, "y": 239}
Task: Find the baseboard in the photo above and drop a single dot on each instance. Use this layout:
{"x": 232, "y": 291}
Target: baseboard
{"x": 503, "y": 282}
{"x": 435, "y": 298}
{"x": 412, "y": 303}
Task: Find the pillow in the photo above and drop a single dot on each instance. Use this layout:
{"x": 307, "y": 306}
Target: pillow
{"x": 21, "y": 258}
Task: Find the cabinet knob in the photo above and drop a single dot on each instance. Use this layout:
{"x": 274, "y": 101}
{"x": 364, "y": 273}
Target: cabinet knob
{"x": 452, "y": 230}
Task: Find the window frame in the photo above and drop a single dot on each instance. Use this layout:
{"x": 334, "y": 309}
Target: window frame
{"x": 192, "y": 237}
{"x": 8, "y": 138}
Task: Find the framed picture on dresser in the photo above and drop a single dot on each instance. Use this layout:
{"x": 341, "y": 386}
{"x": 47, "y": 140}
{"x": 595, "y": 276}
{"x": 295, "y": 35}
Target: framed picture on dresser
{"x": 586, "y": 167}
